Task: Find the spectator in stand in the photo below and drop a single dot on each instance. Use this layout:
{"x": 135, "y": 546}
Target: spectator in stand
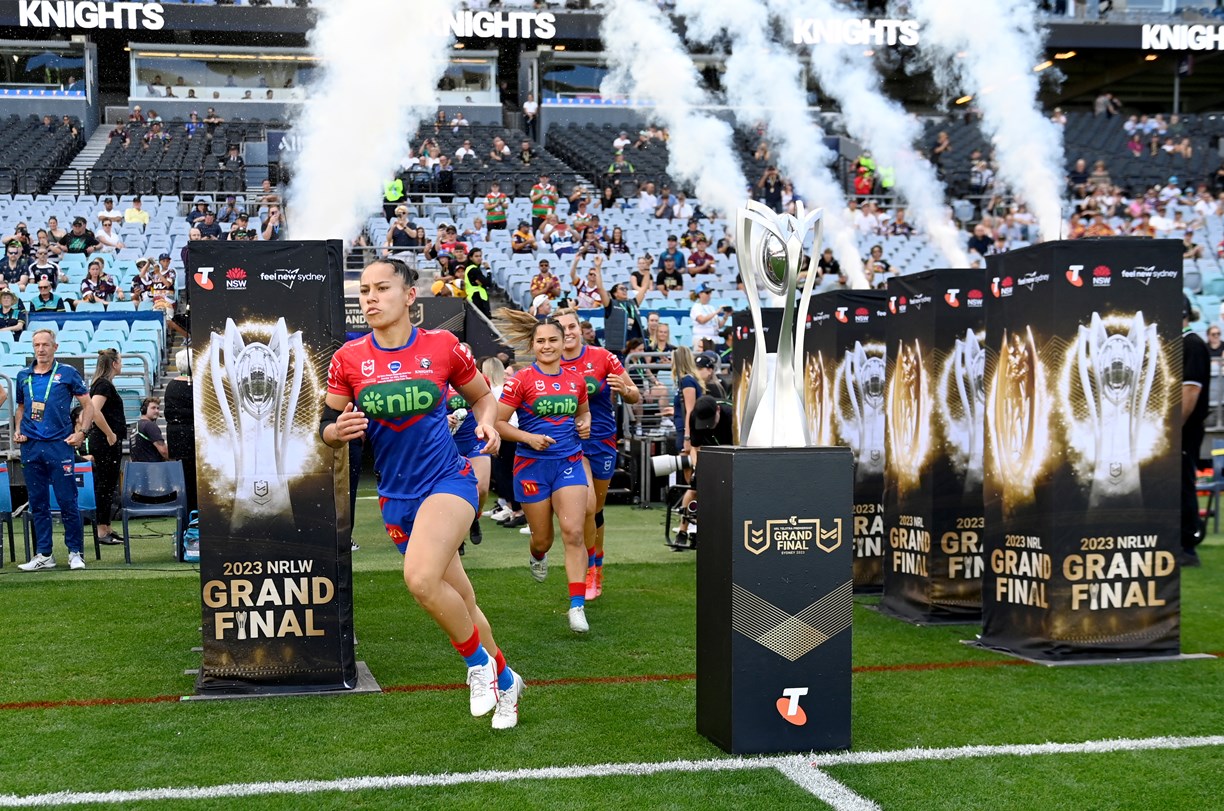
{"x": 1077, "y": 178}
{"x": 981, "y": 241}
{"x": 769, "y": 188}
{"x": 688, "y": 240}
{"x": 1075, "y": 227}
{"x": 275, "y": 226}
{"x": 621, "y": 142}
{"x": 670, "y": 277}
{"x": 531, "y": 112}
{"x": 496, "y": 205}
{"x": 109, "y": 213}
{"x": 541, "y": 307}
{"x": 543, "y": 201}
{"x": 12, "y": 314}
{"x": 661, "y": 341}
{"x": 523, "y": 240}
{"x": 561, "y": 240}
{"x": 464, "y": 152}
{"x": 701, "y": 261}
{"x": 99, "y": 286}
{"x": 545, "y": 283}
{"x": 868, "y": 220}
{"x": 229, "y": 212}
{"x": 673, "y": 252}
{"x": 1215, "y": 346}
{"x": 53, "y": 229}
{"x": 683, "y": 209}
{"x": 1098, "y": 227}
{"x": 587, "y": 294}
{"x": 545, "y": 230}
{"x": 1190, "y": 249}
{"x": 642, "y": 275}
{"x": 876, "y": 258}
{"x": 136, "y": 116}
{"x": 80, "y": 239}
{"x": 499, "y": 152}
{"x": 15, "y": 268}
{"x": 1100, "y": 176}
{"x": 209, "y": 228}
{"x": 1106, "y": 104}
{"x": 1170, "y": 192}
{"x": 1142, "y": 226}
{"x": 664, "y": 210}
{"x": 240, "y": 230}
{"x": 619, "y": 166}
{"x": 648, "y": 201}
{"x": 940, "y": 150}
{"x": 707, "y": 320}
{"x": 41, "y": 267}
{"x": 136, "y": 213}
{"x": 458, "y": 121}
{"x": 616, "y": 243}
{"x": 47, "y": 300}
{"x": 108, "y": 240}
{"x": 196, "y": 215}
{"x": 525, "y": 153}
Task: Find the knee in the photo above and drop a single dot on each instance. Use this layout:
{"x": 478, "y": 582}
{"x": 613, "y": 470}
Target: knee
{"x": 423, "y": 588}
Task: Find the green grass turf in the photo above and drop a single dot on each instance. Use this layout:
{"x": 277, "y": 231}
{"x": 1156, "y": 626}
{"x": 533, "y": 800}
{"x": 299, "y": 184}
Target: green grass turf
{"x": 115, "y": 632}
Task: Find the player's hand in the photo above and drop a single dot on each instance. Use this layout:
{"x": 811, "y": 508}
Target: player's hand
{"x": 617, "y": 384}
{"x": 452, "y": 421}
{"x": 541, "y": 442}
{"x": 19, "y": 437}
{"x": 72, "y": 439}
{"x": 351, "y": 424}
{"x": 583, "y": 424}
{"x": 491, "y": 438}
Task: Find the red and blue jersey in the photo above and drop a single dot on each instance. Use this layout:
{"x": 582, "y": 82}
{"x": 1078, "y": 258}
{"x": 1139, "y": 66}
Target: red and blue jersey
{"x": 465, "y": 434}
{"x": 401, "y": 390}
{"x": 595, "y": 365}
{"x": 547, "y": 404}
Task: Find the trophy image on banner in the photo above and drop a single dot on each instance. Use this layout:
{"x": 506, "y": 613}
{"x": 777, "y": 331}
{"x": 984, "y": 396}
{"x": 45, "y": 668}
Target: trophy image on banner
{"x": 909, "y": 420}
{"x": 818, "y": 400}
{"x": 1019, "y": 413}
{"x": 962, "y": 402}
{"x": 1115, "y": 371}
{"x": 771, "y": 248}
{"x": 861, "y": 382}
{"x": 258, "y": 386}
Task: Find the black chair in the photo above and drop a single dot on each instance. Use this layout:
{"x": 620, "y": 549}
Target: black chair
{"x": 121, "y": 183}
{"x": 154, "y": 490}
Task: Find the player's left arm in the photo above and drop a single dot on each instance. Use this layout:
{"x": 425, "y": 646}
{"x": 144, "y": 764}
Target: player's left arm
{"x": 484, "y": 409}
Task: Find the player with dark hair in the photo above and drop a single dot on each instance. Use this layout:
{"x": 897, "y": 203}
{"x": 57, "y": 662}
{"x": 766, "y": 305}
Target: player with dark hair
{"x": 389, "y": 387}
{"x": 604, "y": 378}
{"x": 549, "y": 477}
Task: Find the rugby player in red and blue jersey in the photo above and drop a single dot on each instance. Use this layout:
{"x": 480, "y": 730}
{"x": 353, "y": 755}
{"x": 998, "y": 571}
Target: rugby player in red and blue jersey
{"x": 605, "y": 378}
{"x": 389, "y": 387}
{"x": 549, "y": 477}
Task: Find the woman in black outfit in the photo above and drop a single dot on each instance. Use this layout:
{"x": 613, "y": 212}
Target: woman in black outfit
{"x": 179, "y": 410}
{"x": 105, "y": 439}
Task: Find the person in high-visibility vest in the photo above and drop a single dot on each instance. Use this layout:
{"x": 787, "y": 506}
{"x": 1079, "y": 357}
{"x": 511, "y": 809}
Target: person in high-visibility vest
{"x": 476, "y": 281}
{"x": 393, "y": 193}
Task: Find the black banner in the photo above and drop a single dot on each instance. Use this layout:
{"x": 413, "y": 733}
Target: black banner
{"x": 933, "y": 515}
{"x": 774, "y": 599}
{"x": 275, "y": 565}
{"x": 1082, "y": 448}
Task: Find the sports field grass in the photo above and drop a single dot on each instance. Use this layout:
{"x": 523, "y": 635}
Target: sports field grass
{"x": 92, "y": 663}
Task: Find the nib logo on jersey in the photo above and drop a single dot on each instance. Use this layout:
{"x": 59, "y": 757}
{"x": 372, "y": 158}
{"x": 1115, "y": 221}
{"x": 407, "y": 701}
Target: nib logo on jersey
{"x": 235, "y": 279}
{"x": 559, "y": 405}
{"x": 399, "y": 400}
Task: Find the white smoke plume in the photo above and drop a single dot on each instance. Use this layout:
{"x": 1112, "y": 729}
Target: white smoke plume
{"x": 762, "y": 81}
{"x": 880, "y": 124}
{"x": 649, "y": 64}
{"x": 987, "y": 49}
{"x": 380, "y": 65}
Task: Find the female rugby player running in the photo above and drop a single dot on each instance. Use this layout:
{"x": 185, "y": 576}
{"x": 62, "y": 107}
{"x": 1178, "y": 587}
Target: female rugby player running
{"x": 549, "y": 477}
{"x": 604, "y": 378}
{"x": 397, "y": 375}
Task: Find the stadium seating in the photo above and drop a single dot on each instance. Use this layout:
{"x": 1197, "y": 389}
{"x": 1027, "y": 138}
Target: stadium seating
{"x": 180, "y": 164}
{"x": 31, "y": 157}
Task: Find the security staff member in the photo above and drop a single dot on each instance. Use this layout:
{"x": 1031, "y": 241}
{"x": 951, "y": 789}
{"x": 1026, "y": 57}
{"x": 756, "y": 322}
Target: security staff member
{"x": 393, "y": 195}
{"x": 476, "y": 281}
{"x": 47, "y": 437}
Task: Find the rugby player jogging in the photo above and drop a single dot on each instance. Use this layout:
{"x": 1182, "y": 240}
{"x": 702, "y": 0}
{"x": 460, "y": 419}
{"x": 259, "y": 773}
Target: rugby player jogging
{"x": 604, "y": 377}
{"x": 462, "y": 423}
{"x": 549, "y": 477}
{"x": 397, "y": 376}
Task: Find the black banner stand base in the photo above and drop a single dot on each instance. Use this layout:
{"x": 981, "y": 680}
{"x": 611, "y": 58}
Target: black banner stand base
{"x": 926, "y": 621}
{"x": 366, "y": 683}
{"x": 1095, "y": 660}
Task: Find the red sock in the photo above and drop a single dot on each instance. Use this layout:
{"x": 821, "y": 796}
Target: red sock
{"x": 577, "y": 589}
{"x": 537, "y": 555}
{"x": 468, "y": 648}
{"x": 501, "y": 661}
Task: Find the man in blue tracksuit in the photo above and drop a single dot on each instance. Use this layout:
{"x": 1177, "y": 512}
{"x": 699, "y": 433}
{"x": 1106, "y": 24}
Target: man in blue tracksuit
{"x": 45, "y": 392}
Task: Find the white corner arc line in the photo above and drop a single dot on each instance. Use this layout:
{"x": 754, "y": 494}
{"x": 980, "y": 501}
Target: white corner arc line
{"x": 813, "y": 761}
{"x": 818, "y": 783}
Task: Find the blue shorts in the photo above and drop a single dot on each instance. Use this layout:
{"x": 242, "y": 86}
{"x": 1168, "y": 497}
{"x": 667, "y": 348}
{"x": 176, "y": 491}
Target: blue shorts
{"x": 601, "y": 453}
{"x": 537, "y": 479}
{"x": 399, "y": 514}
{"x": 468, "y": 444}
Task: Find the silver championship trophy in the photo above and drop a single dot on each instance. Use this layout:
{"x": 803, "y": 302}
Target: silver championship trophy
{"x": 864, "y": 381}
{"x": 257, "y": 394}
{"x": 1116, "y": 372}
{"x": 969, "y": 376}
{"x": 771, "y": 248}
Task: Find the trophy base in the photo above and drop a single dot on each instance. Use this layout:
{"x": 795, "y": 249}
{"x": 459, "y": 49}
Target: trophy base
{"x": 366, "y": 683}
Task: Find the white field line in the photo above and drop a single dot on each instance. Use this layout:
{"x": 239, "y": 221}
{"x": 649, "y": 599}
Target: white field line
{"x": 789, "y": 766}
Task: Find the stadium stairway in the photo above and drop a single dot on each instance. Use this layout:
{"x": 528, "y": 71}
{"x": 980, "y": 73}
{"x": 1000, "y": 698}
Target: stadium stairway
{"x": 69, "y": 181}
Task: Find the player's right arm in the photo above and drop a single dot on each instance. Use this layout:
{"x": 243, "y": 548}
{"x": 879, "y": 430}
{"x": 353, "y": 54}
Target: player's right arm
{"x": 341, "y": 421}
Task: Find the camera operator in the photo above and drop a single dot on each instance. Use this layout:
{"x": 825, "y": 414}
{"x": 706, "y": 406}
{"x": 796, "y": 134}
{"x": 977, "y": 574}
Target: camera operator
{"x": 710, "y": 426}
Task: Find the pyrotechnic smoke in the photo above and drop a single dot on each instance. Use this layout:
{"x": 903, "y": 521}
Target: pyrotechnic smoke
{"x": 987, "y": 49}
{"x": 380, "y": 65}
{"x": 880, "y": 124}
{"x": 649, "y": 64}
{"x": 763, "y": 84}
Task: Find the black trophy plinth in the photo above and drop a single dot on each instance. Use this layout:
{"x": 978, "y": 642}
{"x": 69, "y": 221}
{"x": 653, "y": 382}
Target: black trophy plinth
{"x": 774, "y": 598}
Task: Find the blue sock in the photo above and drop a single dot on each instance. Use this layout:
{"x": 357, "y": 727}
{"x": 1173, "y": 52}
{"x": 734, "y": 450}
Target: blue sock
{"x": 505, "y": 679}
{"x": 480, "y": 657}
{"x": 599, "y": 560}
{"x": 591, "y": 557}
{"x": 578, "y": 601}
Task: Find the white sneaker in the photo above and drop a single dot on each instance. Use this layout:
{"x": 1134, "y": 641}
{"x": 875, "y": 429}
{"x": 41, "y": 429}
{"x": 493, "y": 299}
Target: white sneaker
{"x": 482, "y": 683}
{"x": 37, "y": 563}
{"x": 506, "y": 715}
{"x": 498, "y": 514}
{"x": 539, "y": 568}
{"x": 76, "y": 560}
{"x": 524, "y": 530}
{"x": 578, "y": 621}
